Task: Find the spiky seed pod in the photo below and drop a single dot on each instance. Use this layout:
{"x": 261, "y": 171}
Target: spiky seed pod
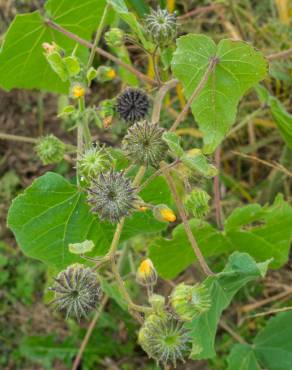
{"x": 132, "y": 105}
{"x": 112, "y": 196}
{"x": 146, "y": 274}
{"x": 163, "y": 213}
{"x": 161, "y": 26}
{"x": 114, "y": 37}
{"x": 164, "y": 339}
{"x": 196, "y": 202}
{"x": 143, "y": 144}
{"x": 76, "y": 291}
{"x": 189, "y": 301}
{"x": 50, "y": 149}
{"x": 93, "y": 161}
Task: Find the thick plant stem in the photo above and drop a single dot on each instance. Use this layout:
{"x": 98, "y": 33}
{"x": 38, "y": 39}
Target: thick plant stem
{"x": 216, "y": 187}
{"x": 22, "y": 139}
{"x": 183, "y": 215}
{"x": 141, "y": 76}
{"x": 88, "y": 333}
{"x": 159, "y": 99}
{"x": 84, "y": 123}
{"x": 213, "y": 61}
{"x": 98, "y": 35}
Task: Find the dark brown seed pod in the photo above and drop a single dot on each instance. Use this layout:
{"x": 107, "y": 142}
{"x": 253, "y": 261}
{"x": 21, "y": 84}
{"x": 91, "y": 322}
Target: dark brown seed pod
{"x": 132, "y": 105}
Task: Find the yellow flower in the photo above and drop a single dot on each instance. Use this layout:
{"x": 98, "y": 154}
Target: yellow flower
{"x": 168, "y": 215}
{"x": 143, "y": 208}
{"x": 111, "y": 73}
{"x": 146, "y": 273}
{"x": 78, "y": 91}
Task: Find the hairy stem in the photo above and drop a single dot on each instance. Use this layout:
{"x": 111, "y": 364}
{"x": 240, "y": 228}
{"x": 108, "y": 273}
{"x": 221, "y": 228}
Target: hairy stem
{"x": 213, "y": 61}
{"x": 23, "y": 139}
{"x": 159, "y": 99}
{"x": 88, "y": 333}
{"x": 98, "y": 35}
{"x": 183, "y": 215}
{"x": 216, "y": 187}
{"x": 141, "y": 76}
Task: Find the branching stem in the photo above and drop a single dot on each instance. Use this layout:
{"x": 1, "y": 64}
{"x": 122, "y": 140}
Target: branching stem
{"x": 141, "y": 76}
{"x": 183, "y": 215}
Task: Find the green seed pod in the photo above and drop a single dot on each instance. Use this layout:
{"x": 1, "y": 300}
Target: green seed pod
{"x": 114, "y": 37}
{"x": 105, "y": 73}
{"x": 50, "y": 149}
{"x": 164, "y": 339}
{"x": 161, "y": 26}
{"x": 76, "y": 291}
{"x": 143, "y": 144}
{"x": 189, "y": 302}
{"x": 112, "y": 196}
{"x": 196, "y": 203}
{"x": 93, "y": 161}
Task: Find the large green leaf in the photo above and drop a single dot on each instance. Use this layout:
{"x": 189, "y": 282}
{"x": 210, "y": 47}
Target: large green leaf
{"x": 22, "y": 63}
{"x": 240, "y": 269}
{"x": 263, "y": 232}
{"x": 242, "y": 357}
{"x": 52, "y": 213}
{"x": 239, "y": 68}
{"x": 271, "y": 348}
{"x": 283, "y": 120}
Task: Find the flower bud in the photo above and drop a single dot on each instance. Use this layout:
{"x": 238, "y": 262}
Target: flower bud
{"x": 189, "y": 301}
{"x": 114, "y": 37}
{"x": 106, "y": 112}
{"x": 49, "y": 48}
{"x": 164, "y": 339}
{"x": 196, "y": 203}
{"x": 104, "y": 73}
{"x": 50, "y": 149}
{"x": 163, "y": 213}
{"x": 77, "y": 91}
{"x": 76, "y": 291}
{"x": 146, "y": 273}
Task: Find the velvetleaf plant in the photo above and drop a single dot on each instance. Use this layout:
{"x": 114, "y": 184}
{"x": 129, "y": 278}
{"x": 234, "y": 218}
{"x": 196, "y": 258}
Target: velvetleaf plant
{"x": 79, "y": 229}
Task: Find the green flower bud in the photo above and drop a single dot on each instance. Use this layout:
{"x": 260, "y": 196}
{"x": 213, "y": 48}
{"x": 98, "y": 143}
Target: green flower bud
{"x": 106, "y": 111}
{"x": 50, "y": 149}
{"x": 189, "y": 301}
{"x": 93, "y": 161}
{"x": 114, "y": 37}
{"x": 164, "y": 339}
{"x": 76, "y": 291}
{"x": 196, "y": 203}
{"x": 161, "y": 27}
{"x": 105, "y": 73}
